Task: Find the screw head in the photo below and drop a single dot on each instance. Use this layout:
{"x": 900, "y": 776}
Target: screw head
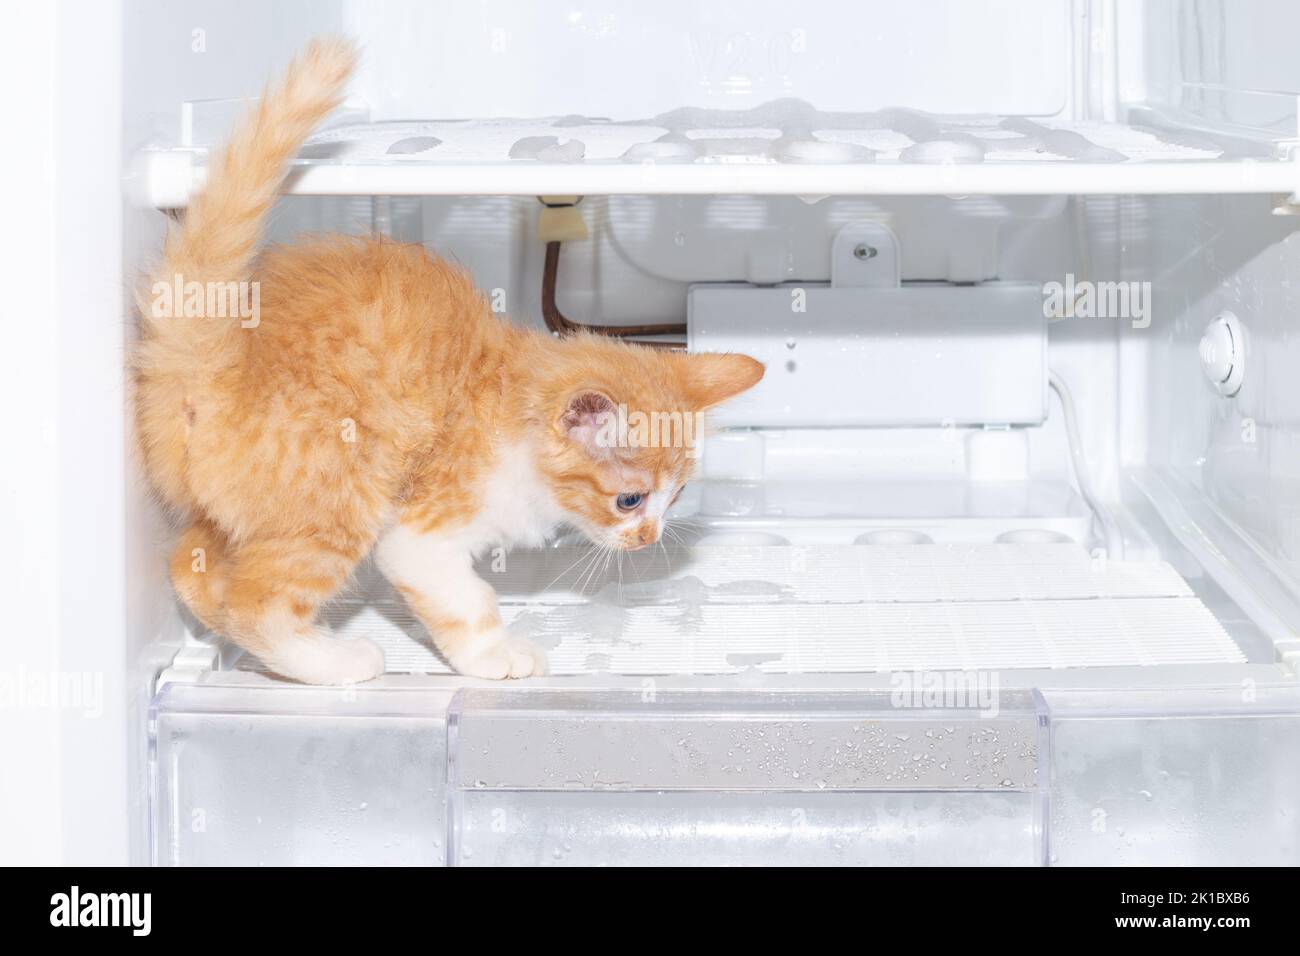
{"x": 863, "y": 251}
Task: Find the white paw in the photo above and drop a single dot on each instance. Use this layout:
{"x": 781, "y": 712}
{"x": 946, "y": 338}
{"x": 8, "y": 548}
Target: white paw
{"x": 322, "y": 659}
{"x": 499, "y": 656}
{"x": 362, "y": 660}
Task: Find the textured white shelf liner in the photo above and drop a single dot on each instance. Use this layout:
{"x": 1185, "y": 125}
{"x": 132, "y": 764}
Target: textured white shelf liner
{"x": 828, "y": 609}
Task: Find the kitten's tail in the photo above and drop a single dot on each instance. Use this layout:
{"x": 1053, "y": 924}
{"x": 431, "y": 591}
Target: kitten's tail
{"x": 224, "y": 222}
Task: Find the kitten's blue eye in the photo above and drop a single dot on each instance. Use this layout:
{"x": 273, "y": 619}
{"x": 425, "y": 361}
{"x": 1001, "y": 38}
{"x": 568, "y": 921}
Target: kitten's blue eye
{"x": 629, "y": 500}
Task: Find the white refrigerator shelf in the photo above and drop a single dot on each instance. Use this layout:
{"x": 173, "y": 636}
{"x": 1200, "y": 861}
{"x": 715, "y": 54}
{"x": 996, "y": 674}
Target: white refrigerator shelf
{"x": 785, "y": 147}
{"x": 824, "y": 609}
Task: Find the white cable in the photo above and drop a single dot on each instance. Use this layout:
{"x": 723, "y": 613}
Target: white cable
{"x": 1114, "y": 538}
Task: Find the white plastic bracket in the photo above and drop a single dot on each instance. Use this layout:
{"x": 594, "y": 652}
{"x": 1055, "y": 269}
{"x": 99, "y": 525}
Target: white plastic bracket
{"x": 190, "y": 663}
{"x": 865, "y": 255}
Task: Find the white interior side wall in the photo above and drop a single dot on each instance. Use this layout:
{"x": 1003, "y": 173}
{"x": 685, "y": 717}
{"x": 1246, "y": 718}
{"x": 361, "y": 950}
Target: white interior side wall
{"x": 30, "y": 736}
{"x": 1205, "y": 256}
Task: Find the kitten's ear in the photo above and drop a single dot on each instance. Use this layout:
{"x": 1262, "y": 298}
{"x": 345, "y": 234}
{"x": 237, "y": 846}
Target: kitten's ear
{"x": 708, "y": 378}
{"x": 585, "y": 420}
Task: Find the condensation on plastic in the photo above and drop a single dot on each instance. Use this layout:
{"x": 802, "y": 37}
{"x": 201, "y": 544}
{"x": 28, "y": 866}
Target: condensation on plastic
{"x": 267, "y": 775}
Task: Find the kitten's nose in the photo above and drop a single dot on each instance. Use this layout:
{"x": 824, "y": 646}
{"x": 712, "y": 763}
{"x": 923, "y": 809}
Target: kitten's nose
{"x": 647, "y": 533}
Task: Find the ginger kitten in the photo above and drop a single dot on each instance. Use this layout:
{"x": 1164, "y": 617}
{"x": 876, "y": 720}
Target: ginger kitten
{"x": 378, "y": 403}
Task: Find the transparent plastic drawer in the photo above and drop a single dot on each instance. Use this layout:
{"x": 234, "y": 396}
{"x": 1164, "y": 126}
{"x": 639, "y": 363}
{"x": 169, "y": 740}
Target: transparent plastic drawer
{"x": 293, "y": 775}
{"x": 278, "y": 774}
{"x": 1198, "y": 777}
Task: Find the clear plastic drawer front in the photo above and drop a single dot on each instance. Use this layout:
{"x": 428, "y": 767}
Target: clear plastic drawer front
{"x": 486, "y": 776}
{"x": 1205, "y": 777}
{"x": 749, "y": 778}
{"x": 673, "y": 828}
{"x": 293, "y": 775}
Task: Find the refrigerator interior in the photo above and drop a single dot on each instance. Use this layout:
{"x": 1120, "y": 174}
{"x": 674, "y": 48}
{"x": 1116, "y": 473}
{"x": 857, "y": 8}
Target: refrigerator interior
{"x": 1086, "y": 525}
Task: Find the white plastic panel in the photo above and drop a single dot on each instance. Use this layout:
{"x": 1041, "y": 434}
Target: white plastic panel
{"x": 917, "y": 355}
{"x": 167, "y": 178}
{"x": 1236, "y": 456}
{"x": 782, "y": 147}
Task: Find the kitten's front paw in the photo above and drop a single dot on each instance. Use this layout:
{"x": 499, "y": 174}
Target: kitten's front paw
{"x": 499, "y": 656}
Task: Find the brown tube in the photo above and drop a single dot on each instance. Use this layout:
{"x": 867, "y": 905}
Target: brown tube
{"x": 557, "y": 323}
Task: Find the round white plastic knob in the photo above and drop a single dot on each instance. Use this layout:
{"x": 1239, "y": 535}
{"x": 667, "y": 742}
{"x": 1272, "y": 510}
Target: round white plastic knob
{"x": 1223, "y": 353}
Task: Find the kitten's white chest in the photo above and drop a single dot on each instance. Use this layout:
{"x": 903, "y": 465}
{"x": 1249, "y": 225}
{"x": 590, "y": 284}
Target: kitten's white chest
{"x": 517, "y": 506}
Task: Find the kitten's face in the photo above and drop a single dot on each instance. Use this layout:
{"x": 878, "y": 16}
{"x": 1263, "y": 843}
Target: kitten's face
{"x": 621, "y": 502}
{"x": 626, "y": 436}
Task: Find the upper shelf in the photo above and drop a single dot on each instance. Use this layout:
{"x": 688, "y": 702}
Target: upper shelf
{"x": 782, "y": 148}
